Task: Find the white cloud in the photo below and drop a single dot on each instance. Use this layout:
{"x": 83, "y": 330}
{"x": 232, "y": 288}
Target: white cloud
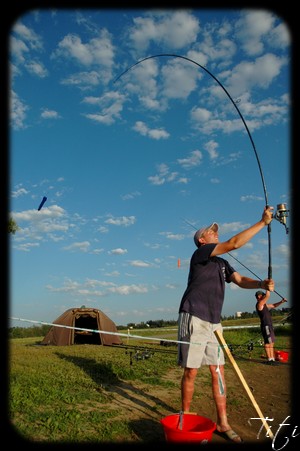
{"x": 97, "y": 51}
{"x": 121, "y": 221}
{"x": 211, "y": 147}
{"x": 17, "y": 112}
{"x": 36, "y": 68}
{"x": 173, "y": 30}
{"x": 34, "y": 41}
{"x": 139, "y": 264}
{"x": 118, "y": 251}
{"x": 19, "y": 192}
{"x": 53, "y": 211}
{"x": 111, "y": 104}
{"x": 82, "y": 246}
{"x": 49, "y": 114}
{"x": 155, "y": 133}
{"x": 193, "y": 160}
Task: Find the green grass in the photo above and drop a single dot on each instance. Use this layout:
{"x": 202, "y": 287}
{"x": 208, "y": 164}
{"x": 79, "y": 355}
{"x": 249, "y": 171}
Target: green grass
{"x": 64, "y": 394}
{"x": 60, "y": 393}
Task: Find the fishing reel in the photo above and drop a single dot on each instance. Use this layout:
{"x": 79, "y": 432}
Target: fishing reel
{"x": 281, "y": 214}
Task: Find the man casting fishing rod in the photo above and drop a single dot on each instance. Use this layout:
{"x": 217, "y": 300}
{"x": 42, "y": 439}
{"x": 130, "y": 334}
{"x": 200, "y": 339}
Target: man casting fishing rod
{"x": 201, "y": 308}
{"x": 263, "y": 309}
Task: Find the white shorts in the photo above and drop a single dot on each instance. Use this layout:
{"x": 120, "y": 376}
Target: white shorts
{"x": 203, "y": 347}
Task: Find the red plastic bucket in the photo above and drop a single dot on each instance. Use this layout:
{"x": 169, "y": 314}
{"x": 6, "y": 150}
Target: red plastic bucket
{"x": 281, "y": 356}
{"x": 194, "y": 428}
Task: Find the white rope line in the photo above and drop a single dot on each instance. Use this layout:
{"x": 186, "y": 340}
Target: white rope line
{"x": 128, "y": 335}
{"x": 106, "y": 332}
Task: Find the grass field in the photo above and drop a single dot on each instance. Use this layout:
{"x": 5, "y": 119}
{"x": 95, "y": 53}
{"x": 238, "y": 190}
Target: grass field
{"x": 61, "y": 394}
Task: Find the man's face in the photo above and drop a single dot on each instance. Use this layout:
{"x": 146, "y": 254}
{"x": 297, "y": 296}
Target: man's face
{"x": 209, "y": 236}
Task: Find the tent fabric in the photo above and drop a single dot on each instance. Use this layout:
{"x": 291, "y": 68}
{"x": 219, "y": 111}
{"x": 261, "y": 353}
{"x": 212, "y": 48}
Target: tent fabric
{"x": 84, "y": 318}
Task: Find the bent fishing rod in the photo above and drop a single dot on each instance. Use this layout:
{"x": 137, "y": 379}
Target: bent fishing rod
{"x": 281, "y": 208}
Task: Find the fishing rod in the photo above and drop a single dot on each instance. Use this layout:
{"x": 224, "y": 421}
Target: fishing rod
{"x": 283, "y": 212}
{"x": 187, "y": 222}
{"x": 282, "y": 297}
{"x": 144, "y": 348}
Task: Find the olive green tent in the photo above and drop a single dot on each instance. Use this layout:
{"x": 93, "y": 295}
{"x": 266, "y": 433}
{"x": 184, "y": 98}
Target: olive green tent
{"x": 82, "y": 318}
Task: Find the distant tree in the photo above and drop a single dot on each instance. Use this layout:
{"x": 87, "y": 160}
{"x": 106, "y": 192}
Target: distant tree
{"x": 12, "y": 226}
{"x": 25, "y": 332}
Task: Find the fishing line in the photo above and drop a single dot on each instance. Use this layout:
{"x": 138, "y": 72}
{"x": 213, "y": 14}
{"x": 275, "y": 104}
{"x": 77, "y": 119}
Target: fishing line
{"x": 282, "y": 297}
{"x": 242, "y": 118}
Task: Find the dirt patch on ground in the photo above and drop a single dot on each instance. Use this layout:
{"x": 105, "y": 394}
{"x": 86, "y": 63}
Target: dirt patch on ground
{"x": 143, "y": 406}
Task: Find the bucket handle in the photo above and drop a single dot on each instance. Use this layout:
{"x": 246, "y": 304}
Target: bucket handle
{"x": 181, "y": 414}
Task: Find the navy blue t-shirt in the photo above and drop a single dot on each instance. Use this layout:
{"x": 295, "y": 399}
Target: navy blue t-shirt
{"x": 264, "y": 316}
{"x": 204, "y": 295}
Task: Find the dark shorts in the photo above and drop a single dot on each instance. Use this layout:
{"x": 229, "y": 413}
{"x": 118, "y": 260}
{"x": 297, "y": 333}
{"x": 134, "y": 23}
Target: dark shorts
{"x": 268, "y": 334}
{"x": 202, "y": 347}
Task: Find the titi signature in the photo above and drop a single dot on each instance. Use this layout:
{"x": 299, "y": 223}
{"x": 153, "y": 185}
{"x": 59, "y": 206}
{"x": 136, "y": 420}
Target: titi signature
{"x": 280, "y": 437}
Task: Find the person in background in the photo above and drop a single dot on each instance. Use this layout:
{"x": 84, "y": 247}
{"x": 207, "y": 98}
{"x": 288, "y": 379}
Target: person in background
{"x": 200, "y": 313}
{"x": 266, "y": 323}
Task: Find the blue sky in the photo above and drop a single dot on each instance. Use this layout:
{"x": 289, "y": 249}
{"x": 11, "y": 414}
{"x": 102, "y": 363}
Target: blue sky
{"x": 131, "y": 167}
